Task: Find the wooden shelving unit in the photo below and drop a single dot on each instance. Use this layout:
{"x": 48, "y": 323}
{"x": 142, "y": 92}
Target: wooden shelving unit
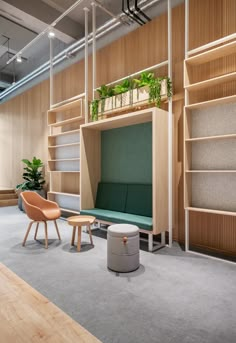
{"x": 209, "y": 139}
{"x": 64, "y": 155}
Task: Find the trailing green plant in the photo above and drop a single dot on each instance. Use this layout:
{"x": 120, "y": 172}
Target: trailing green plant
{"x": 94, "y": 107}
{"x": 155, "y": 91}
{"x": 169, "y": 88}
{"x": 32, "y": 175}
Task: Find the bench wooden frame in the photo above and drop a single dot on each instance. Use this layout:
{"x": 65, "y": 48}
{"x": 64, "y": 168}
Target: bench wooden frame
{"x": 90, "y": 154}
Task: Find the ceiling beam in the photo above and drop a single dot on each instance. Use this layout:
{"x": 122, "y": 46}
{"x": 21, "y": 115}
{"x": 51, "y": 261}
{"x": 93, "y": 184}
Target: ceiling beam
{"x": 45, "y": 14}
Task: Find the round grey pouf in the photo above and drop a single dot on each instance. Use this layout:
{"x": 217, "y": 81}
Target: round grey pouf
{"x": 123, "y": 248}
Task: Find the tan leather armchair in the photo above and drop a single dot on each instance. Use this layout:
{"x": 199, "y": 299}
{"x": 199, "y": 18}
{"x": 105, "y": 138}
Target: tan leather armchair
{"x": 39, "y": 210}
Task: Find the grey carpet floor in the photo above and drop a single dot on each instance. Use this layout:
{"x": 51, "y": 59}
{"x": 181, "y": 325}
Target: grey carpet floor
{"x": 174, "y": 297}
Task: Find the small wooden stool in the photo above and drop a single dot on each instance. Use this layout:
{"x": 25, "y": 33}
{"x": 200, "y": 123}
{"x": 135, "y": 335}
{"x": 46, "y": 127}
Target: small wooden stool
{"x": 78, "y": 222}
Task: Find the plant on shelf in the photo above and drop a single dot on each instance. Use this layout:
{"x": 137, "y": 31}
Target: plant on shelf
{"x": 104, "y": 93}
{"x": 144, "y": 80}
{"x": 154, "y": 85}
{"x": 147, "y": 84}
{"x": 125, "y": 86}
{"x": 32, "y": 175}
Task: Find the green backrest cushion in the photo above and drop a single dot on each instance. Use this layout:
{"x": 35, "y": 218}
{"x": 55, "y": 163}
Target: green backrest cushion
{"x": 139, "y": 199}
{"x": 111, "y": 196}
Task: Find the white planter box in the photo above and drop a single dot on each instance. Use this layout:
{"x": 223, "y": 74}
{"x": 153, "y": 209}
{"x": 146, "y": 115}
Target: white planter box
{"x": 140, "y": 94}
{"x": 130, "y": 98}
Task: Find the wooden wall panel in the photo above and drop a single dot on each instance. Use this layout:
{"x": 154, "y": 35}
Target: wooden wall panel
{"x": 23, "y": 126}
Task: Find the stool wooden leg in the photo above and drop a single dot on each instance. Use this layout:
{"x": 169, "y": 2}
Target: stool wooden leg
{"x": 46, "y": 235}
{"x": 79, "y": 238}
{"x": 36, "y": 231}
{"x": 58, "y": 233}
{"x": 27, "y": 233}
{"x": 73, "y": 235}
{"x": 90, "y": 234}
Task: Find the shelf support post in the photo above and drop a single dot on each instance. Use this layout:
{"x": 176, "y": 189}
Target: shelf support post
{"x": 94, "y": 48}
{"x": 186, "y": 43}
{"x": 86, "y": 10}
{"x": 170, "y": 131}
{"x": 51, "y": 72}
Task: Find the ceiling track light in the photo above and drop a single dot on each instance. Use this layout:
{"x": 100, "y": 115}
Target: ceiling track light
{"x": 51, "y": 34}
{"x": 19, "y": 58}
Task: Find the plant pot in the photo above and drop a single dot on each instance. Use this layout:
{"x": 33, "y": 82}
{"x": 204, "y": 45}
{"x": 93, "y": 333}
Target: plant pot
{"x": 164, "y": 87}
{"x": 141, "y": 94}
{"x": 20, "y": 202}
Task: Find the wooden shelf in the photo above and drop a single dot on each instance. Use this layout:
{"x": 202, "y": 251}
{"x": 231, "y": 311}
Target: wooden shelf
{"x": 210, "y": 171}
{"x": 211, "y": 82}
{"x": 133, "y": 118}
{"x": 64, "y": 194}
{"x": 64, "y": 160}
{"x": 199, "y": 139}
{"x": 213, "y": 102}
{"x": 208, "y": 210}
{"x": 213, "y": 54}
{"x": 66, "y": 107}
{"x": 64, "y": 133}
{"x": 66, "y": 122}
{"x": 62, "y": 145}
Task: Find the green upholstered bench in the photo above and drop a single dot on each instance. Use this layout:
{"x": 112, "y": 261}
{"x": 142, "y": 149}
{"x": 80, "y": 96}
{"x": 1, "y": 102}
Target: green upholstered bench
{"x": 123, "y": 203}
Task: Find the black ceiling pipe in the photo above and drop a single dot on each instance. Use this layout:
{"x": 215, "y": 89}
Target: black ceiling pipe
{"x": 127, "y": 13}
{"x": 134, "y": 14}
{"x": 138, "y": 9}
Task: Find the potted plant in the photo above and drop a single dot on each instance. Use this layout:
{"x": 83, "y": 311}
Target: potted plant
{"x": 105, "y": 95}
{"x": 147, "y": 88}
{"x": 33, "y": 177}
{"x": 151, "y": 88}
{"x": 123, "y": 94}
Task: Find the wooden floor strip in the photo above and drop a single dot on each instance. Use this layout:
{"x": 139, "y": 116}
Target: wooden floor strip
{"x": 26, "y": 316}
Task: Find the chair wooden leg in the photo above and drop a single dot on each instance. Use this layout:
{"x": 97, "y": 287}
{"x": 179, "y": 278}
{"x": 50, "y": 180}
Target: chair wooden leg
{"x": 46, "y": 235}
{"x": 90, "y": 234}
{"x": 27, "y": 233}
{"x": 58, "y": 233}
{"x": 73, "y": 235}
{"x": 36, "y": 231}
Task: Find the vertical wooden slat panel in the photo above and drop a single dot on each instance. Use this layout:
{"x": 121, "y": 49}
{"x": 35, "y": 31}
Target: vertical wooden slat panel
{"x": 23, "y": 127}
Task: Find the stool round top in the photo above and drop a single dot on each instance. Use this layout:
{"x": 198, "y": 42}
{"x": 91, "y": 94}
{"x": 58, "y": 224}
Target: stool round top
{"x": 120, "y": 230}
{"x": 80, "y": 220}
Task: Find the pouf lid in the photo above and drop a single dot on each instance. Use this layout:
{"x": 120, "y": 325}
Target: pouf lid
{"x": 120, "y": 230}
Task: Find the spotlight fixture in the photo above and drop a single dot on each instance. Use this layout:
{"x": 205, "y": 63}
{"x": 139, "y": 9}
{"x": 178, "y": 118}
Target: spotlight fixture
{"x": 51, "y": 34}
{"x": 18, "y": 59}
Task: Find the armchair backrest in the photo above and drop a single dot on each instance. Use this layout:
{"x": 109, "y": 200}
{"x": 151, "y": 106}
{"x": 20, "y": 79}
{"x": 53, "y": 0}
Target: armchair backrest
{"x": 33, "y": 203}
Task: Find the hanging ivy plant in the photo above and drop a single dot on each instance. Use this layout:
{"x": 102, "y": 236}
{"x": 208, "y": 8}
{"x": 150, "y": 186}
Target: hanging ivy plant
{"x": 146, "y": 79}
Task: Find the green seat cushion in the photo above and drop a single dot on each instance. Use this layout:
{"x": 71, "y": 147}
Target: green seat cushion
{"x": 120, "y": 217}
{"x": 111, "y": 196}
{"x": 139, "y": 199}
